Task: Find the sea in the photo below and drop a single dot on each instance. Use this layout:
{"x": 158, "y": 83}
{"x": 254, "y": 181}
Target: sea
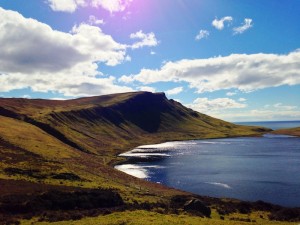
{"x": 248, "y": 168}
{"x": 274, "y": 125}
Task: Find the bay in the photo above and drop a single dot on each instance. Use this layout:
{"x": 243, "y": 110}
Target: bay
{"x": 249, "y": 168}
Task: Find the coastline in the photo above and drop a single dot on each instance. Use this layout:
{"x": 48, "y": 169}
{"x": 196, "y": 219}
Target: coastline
{"x": 145, "y": 154}
{"x": 120, "y": 159}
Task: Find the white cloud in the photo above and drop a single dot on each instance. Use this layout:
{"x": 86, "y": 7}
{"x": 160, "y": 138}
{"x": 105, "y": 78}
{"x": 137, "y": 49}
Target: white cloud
{"x": 39, "y": 50}
{"x": 66, "y": 5}
{"x": 219, "y": 24}
{"x": 72, "y": 5}
{"x": 242, "y": 99}
{"x": 59, "y": 99}
{"x": 280, "y": 106}
{"x": 237, "y": 71}
{"x": 128, "y": 58}
{"x": 275, "y": 112}
{"x": 245, "y": 26}
{"x": 90, "y": 40}
{"x": 202, "y": 34}
{"x": 112, "y": 5}
{"x": 36, "y": 56}
{"x": 144, "y": 39}
{"x": 94, "y": 21}
{"x": 152, "y": 53}
{"x": 62, "y": 83}
{"x": 174, "y": 91}
{"x": 204, "y": 105}
{"x": 259, "y": 115}
{"x": 231, "y": 93}
{"x": 147, "y": 88}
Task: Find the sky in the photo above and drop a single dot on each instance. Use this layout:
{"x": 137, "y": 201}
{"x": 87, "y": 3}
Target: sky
{"x": 234, "y": 60}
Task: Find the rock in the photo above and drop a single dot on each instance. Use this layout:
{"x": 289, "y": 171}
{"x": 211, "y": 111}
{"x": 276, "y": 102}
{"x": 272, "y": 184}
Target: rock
{"x": 197, "y": 206}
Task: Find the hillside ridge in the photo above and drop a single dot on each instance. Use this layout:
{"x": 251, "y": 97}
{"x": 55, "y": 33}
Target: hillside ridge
{"x": 92, "y": 124}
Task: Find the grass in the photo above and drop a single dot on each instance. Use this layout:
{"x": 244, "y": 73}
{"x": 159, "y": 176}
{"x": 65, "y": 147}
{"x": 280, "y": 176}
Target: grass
{"x": 150, "y": 218}
{"x": 34, "y": 156}
{"x": 34, "y": 139}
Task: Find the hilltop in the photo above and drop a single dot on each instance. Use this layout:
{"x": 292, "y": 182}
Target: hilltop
{"x": 57, "y": 157}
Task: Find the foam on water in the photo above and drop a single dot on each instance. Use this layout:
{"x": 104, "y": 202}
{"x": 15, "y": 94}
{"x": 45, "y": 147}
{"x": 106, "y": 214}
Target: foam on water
{"x": 219, "y": 184}
{"x": 139, "y": 171}
{"x": 144, "y": 155}
{"x": 133, "y": 170}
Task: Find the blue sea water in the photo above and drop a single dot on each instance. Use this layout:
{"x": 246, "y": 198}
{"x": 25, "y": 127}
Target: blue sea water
{"x": 248, "y": 168}
{"x": 274, "y": 125}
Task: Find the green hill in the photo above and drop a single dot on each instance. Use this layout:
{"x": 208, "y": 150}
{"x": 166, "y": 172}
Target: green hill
{"x": 108, "y": 125}
{"x": 61, "y": 153}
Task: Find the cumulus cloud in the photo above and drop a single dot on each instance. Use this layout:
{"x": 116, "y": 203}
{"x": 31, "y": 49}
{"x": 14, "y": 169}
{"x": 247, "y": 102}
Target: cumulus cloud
{"x": 231, "y": 93}
{"x": 28, "y": 46}
{"x": 281, "y": 106}
{"x": 66, "y": 5}
{"x": 26, "y": 96}
{"x": 148, "y": 39}
{"x": 36, "y": 56}
{"x": 147, "y": 88}
{"x": 112, "y": 5}
{"x": 258, "y": 115}
{"x": 202, "y": 34}
{"x": 66, "y": 84}
{"x": 206, "y": 105}
{"x": 245, "y": 26}
{"x": 95, "y": 21}
{"x": 219, "y": 24}
{"x": 72, "y": 5}
{"x": 174, "y": 91}
{"x": 230, "y": 110}
{"x": 237, "y": 71}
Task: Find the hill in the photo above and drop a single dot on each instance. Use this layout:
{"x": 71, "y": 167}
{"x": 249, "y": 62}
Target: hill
{"x": 291, "y": 131}
{"x": 56, "y": 157}
{"x": 108, "y": 125}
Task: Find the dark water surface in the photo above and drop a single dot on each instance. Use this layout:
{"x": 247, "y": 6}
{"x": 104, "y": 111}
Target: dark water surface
{"x": 266, "y": 168}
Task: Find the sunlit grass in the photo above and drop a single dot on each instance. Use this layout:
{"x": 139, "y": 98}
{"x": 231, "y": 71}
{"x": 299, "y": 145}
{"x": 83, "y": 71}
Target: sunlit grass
{"x": 151, "y": 218}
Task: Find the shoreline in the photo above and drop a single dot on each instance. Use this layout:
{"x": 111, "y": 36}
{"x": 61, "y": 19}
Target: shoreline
{"x": 132, "y": 160}
{"x": 117, "y": 161}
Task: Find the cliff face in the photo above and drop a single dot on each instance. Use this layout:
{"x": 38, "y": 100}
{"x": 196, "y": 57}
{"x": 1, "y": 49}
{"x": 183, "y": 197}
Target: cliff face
{"x": 107, "y": 125}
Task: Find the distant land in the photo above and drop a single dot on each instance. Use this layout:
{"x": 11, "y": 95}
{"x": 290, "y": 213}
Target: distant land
{"x": 291, "y": 131}
{"x": 57, "y": 162}
{"x": 274, "y": 125}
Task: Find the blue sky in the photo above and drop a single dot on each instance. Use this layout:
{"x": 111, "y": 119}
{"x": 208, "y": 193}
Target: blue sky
{"x": 235, "y": 60}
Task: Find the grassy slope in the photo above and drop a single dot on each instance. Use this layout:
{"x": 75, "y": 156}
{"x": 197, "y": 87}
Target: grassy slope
{"x": 150, "y": 218}
{"x": 291, "y": 131}
{"x": 33, "y": 137}
{"x": 94, "y": 124}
